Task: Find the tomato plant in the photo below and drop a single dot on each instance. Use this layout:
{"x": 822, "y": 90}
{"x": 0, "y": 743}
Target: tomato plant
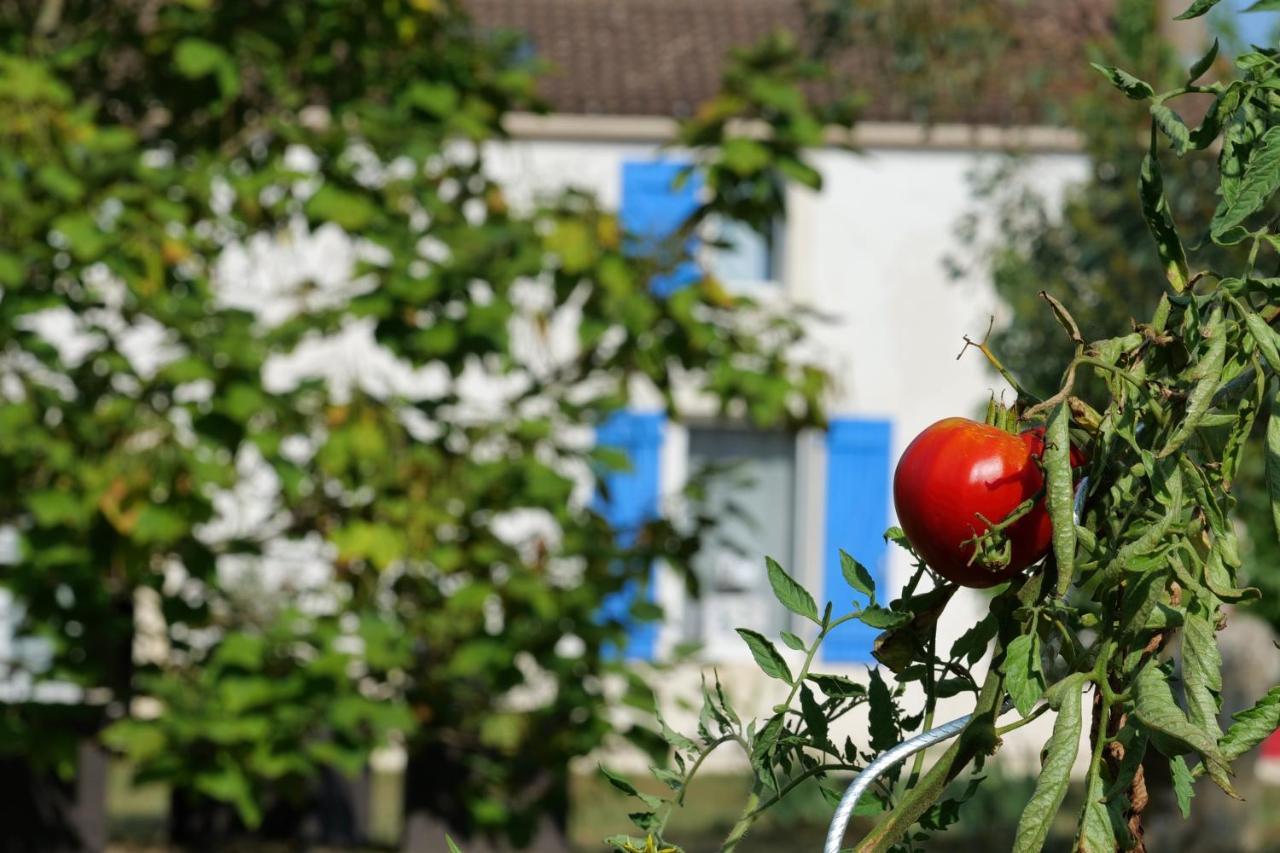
{"x": 1114, "y": 632}
{"x": 955, "y": 482}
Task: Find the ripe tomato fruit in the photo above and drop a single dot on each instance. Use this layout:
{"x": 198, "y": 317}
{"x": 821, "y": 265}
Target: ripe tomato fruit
{"x": 958, "y": 472}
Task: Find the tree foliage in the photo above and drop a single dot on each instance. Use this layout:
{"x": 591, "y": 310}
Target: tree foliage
{"x": 204, "y": 205}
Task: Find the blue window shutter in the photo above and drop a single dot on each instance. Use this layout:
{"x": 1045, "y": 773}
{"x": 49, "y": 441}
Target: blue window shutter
{"x": 632, "y": 500}
{"x": 653, "y": 207}
{"x": 857, "y": 514}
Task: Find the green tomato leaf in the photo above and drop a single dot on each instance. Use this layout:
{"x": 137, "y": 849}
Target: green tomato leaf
{"x": 1252, "y": 726}
{"x": 1156, "y": 708}
{"x": 1196, "y": 9}
{"x": 1055, "y": 776}
{"x": 1059, "y": 494}
{"x": 1155, "y": 209}
{"x": 1260, "y": 181}
{"x": 1273, "y": 458}
{"x": 646, "y": 821}
{"x": 1238, "y": 138}
{"x": 1203, "y": 64}
{"x": 880, "y": 617}
{"x": 972, "y": 644}
{"x": 670, "y": 778}
{"x": 1207, "y": 374}
{"x": 1182, "y": 784}
{"x": 621, "y": 783}
{"x": 791, "y": 641}
{"x": 1266, "y": 338}
{"x": 1125, "y": 82}
{"x": 1172, "y": 126}
{"x": 1096, "y": 833}
{"x": 789, "y": 592}
{"x": 618, "y": 782}
{"x": 1224, "y": 107}
{"x": 671, "y": 736}
{"x": 1134, "y": 739}
{"x": 814, "y": 719}
{"x": 837, "y": 686}
{"x": 767, "y": 657}
{"x": 857, "y": 576}
{"x": 762, "y": 748}
{"x": 1023, "y": 677}
{"x": 1202, "y": 670}
{"x": 884, "y": 731}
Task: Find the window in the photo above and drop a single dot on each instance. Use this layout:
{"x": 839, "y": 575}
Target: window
{"x": 747, "y": 258}
{"x": 658, "y": 196}
{"x": 755, "y": 502}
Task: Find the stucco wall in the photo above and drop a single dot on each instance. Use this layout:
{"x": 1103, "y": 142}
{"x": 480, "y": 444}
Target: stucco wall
{"x": 867, "y": 252}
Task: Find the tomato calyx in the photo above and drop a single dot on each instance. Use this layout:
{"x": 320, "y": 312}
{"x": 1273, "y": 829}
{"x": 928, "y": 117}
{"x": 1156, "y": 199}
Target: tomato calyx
{"x": 1003, "y": 417}
{"x": 992, "y": 548}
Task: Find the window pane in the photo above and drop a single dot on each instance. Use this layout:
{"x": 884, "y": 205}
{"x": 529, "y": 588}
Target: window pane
{"x": 747, "y": 257}
{"x": 755, "y": 505}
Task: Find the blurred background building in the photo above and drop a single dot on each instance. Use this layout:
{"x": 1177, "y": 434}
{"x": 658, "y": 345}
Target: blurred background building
{"x": 865, "y": 256}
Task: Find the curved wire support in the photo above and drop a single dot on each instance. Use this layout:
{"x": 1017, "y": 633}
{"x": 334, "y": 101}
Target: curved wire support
{"x": 909, "y": 747}
{"x": 1077, "y": 505}
{"x": 888, "y": 758}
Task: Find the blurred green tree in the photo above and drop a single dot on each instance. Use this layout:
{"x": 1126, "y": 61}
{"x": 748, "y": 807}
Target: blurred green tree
{"x": 172, "y": 357}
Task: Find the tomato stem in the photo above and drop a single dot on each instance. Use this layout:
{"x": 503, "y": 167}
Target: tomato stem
{"x": 984, "y": 347}
{"x": 994, "y": 548}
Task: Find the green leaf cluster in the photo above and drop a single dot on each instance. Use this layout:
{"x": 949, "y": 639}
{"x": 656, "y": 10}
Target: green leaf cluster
{"x": 142, "y": 150}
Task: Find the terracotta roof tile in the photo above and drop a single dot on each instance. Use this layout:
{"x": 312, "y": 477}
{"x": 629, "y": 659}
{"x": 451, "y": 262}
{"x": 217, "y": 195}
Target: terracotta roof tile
{"x": 664, "y": 57}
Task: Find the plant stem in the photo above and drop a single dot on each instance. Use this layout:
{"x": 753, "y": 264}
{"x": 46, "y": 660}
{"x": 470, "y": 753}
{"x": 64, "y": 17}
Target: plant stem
{"x": 808, "y": 660}
{"x": 1012, "y": 727}
{"x": 1099, "y": 734}
{"x": 930, "y": 706}
{"x": 978, "y": 736}
{"x": 753, "y": 808}
{"x": 702, "y": 756}
{"x": 1122, "y": 373}
{"x": 740, "y": 828}
{"x": 794, "y": 783}
{"x": 995, "y": 362}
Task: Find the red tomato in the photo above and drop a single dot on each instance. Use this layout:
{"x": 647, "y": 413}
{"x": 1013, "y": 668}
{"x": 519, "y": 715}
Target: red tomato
{"x": 958, "y": 470}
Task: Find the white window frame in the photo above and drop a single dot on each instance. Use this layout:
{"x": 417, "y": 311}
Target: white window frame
{"x": 808, "y": 525}
{"x": 777, "y": 244}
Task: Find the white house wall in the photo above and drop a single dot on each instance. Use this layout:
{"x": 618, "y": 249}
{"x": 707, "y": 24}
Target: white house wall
{"x": 868, "y": 252}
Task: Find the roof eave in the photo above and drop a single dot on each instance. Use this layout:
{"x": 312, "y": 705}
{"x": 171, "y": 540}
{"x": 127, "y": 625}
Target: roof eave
{"x": 864, "y": 135}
